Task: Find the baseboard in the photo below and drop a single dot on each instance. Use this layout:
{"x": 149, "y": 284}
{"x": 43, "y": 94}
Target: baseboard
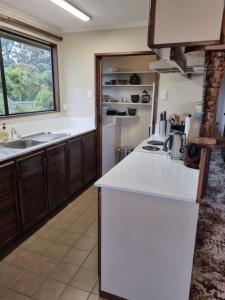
{"x": 109, "y": 296}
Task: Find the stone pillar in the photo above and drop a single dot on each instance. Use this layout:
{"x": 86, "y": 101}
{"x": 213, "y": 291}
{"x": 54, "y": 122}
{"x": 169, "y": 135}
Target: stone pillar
{"x": 214, "y": 71}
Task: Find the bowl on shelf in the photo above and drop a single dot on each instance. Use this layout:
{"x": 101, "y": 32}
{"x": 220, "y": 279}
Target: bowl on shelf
{"x": 113, "y": 82}
{"x": 135, "y": 98}
{"x": 122, "y": 113}
{"x": 111, "y": 112}
{"x": 132, "y": 111}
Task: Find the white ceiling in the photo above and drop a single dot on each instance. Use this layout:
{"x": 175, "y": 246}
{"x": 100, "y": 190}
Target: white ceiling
{"x": 105, "y": 13}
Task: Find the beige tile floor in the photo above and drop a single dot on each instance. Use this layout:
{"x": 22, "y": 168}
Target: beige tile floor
{"x": 59, "y": 261}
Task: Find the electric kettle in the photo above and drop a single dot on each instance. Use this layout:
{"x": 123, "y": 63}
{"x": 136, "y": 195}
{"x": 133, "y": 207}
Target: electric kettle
{"x": 174, "y": 144}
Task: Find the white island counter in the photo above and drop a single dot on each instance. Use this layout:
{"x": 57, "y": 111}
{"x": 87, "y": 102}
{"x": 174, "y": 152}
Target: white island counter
{"x": 148, "y": 227}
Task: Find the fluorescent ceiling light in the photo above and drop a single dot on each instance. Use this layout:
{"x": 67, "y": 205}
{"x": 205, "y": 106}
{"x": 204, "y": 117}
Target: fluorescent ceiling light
{"x": 72, "y": 9}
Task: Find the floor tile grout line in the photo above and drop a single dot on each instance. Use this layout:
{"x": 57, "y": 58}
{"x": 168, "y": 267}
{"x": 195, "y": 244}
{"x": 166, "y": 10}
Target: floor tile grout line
{"x": 61, "y": 259}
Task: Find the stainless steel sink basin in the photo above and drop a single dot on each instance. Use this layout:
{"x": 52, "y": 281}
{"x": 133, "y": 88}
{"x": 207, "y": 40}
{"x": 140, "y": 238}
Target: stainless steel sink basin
{"x": 34, "y": 140}
{"x": 48, "y": 137}
{"x": 22, "y": 144}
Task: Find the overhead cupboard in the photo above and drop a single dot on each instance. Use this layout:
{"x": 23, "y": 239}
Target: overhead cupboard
{"x": 181, "y": 22}
{"x": 33, "y": 185}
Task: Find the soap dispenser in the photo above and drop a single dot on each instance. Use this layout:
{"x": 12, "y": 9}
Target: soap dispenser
{"x": 3, "y": 133}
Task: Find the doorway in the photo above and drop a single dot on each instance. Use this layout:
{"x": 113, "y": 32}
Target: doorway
{"x": 124, "y": 117}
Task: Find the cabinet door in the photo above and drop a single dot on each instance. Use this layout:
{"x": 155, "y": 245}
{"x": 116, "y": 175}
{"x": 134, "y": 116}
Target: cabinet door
{"x": 32, "y": 188}
{"x": 75, "y": 165}
{"x": 89, "y": 157}
{"x": 56, "y": 174}
{"x": 9, "y": 221}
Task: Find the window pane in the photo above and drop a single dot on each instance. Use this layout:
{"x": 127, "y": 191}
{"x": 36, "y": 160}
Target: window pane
{"x": 28, "y": 75}
{"x": 2, "y": 108}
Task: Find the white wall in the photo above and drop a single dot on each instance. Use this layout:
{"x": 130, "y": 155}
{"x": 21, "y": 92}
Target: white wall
{"x": 78, "y": 51}
{"x": 182, "y": 93}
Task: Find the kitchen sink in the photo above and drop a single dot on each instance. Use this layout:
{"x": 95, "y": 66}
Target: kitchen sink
{"x": 48, "y": 137}
{"x": 34, "y": 140}
{"x": 22, "y": 144}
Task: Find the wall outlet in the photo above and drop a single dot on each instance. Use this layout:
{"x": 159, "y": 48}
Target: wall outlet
{"x": 163, "y": 95}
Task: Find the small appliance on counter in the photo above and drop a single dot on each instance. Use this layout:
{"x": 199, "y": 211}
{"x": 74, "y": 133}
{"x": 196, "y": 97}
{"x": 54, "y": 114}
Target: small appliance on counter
{"x": 174, "y": 144}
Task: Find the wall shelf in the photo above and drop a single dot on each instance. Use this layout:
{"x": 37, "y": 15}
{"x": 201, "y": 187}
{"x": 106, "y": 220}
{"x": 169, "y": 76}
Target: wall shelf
{"x": 128, "y": 72}
{"x": 124, "y": 117}
{"x": 127, "y": 103}
{"x": 127, "y": 85}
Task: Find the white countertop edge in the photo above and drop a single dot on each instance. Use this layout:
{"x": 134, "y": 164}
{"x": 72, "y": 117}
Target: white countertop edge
{"x": 19, "y": 152}
{"x": 146, "y": 193}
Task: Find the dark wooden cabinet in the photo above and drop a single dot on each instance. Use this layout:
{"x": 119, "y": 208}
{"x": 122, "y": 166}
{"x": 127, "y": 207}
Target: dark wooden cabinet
{"x": 57, "y": 175}
{"x": 9, "y": 222}
{"x": 33, "y": 185}
{"x": 89, "y": 157}
{"x": 32, "y": 188}
{"x": 75, "y": 161}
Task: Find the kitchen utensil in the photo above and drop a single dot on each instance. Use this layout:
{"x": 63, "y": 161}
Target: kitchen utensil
{"x": 132, "y": 111}
{"x": 164, "y": 116}
{"x": 135, "y": 98}
{"x": 174, "y": 144}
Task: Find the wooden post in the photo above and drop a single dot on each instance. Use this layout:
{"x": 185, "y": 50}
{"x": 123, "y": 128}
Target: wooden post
{"x": 214, "y": 72}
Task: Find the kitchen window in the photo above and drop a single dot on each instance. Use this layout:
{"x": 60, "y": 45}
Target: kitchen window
{"x": 29, "y": 77}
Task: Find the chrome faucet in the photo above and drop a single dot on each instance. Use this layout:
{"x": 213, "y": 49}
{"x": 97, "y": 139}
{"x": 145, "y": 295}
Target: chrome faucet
{"x": 14, "y": 134}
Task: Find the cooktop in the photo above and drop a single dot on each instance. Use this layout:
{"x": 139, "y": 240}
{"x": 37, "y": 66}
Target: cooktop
{"x": 151, "y": 148}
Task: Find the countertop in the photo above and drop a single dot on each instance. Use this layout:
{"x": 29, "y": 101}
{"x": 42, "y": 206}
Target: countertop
{"x": 153, "y": 174}
{"x": 9, "y": 153}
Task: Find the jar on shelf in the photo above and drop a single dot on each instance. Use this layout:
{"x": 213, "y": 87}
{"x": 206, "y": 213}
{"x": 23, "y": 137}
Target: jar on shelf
{"x": 134, "y": 79}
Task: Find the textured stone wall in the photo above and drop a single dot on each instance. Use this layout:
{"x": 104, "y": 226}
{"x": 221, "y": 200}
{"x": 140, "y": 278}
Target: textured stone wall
{"x": 214, "y": 71}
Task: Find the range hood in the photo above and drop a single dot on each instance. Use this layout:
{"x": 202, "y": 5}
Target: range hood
{"x": 167, "y": 62}
{"x": 175, "y": 60}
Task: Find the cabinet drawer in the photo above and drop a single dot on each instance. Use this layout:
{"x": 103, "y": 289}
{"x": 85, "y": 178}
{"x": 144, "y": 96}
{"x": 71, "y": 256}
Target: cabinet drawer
{"x": 30, "y": 164}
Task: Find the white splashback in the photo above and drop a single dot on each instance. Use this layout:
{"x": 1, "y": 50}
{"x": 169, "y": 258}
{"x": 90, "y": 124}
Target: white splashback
{"x": 60, "y": 123}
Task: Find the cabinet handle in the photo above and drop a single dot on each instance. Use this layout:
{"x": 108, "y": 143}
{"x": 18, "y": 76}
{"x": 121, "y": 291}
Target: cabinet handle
{"x": 44, "y": 162}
